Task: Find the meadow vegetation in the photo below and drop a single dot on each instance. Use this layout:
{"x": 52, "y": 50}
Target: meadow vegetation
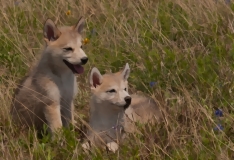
{"x": 180, "y": 52}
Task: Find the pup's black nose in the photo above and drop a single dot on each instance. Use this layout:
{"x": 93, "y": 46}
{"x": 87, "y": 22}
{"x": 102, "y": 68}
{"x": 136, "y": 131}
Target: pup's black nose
{"x": 84, "y": 60}
{"x": 128, "y": 101}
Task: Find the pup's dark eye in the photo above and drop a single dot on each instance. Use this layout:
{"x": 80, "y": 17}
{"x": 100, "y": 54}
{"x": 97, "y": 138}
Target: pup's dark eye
{"x": 68, "y": 49}
{"x": 111, "y": 91}
{"x": 81, "y": 46}
{"x": 125, "y": 89}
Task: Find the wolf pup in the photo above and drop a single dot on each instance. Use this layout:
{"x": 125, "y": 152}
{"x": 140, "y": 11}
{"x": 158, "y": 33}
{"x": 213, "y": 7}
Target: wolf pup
{"x": 46, "y": 95}
{"x": 143, "y": 110}
{"x": 109, "y": 102}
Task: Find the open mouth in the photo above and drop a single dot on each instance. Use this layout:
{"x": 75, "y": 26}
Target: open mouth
{"x": 74, "y": 68}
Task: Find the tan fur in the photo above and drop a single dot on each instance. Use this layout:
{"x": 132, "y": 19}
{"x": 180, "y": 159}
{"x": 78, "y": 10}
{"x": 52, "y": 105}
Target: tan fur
{"x": 53, "y": 116}
{"x": 143, "y": 110}
{"x": 108, "y": 118}
{"x": 46, "y": 95}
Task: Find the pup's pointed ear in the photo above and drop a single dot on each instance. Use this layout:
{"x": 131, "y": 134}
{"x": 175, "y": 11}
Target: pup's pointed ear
{"x": 51, "y": 32}
{"x": 125, "y": 72}
{"x": 80, "y": 25}
{"x": 95, "y": 78}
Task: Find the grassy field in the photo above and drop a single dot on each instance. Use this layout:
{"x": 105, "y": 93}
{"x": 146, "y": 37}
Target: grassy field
{"x": 180, "y": 51}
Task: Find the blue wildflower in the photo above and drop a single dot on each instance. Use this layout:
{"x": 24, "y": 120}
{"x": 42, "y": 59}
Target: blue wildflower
{"x": 219, "y": 113}
{"x": 219, "y": 127}
{"x": 152, "y": 84}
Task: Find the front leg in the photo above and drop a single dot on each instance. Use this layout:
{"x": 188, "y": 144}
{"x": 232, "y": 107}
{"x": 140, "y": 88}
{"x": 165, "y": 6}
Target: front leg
{"x": 67, "y": 112}
{"x": 72, "y": 114}
{"x": 53, "y": 117}
{"x": 66, "y": 116}
{"x": 72, "y": 103}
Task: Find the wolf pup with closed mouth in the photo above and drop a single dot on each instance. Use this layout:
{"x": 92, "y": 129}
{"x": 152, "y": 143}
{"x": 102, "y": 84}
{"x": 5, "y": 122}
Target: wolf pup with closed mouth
{"x": 113, "y": 110}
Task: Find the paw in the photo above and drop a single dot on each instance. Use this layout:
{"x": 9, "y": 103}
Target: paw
{"x": 74, "y": 122}
{"x": 86, "y": 147}
{"x": 112, "y": 146}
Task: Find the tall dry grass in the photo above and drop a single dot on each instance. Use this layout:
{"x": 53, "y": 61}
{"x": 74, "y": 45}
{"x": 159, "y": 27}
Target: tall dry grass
{"x": 185, "y": 46}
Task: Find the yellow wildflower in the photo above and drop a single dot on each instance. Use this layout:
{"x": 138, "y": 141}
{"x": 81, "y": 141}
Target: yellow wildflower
{"x": 68, "y": 12}
{"x": 86, "y": 40}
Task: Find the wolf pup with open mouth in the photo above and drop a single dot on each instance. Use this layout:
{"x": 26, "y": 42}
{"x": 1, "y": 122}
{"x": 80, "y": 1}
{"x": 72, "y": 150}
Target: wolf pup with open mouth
{"x": 46, "y": 95}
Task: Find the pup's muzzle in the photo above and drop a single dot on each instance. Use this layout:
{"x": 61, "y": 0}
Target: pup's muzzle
{"x": 128, "y": 100}
{"x": 84, "y": 60}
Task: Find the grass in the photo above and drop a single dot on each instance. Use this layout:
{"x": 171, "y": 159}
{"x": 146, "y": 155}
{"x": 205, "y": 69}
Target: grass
{"x": 185, "y": 46}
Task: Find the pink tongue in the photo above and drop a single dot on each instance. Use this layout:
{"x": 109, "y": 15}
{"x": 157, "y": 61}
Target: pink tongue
{"x": 79, "y": 69}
